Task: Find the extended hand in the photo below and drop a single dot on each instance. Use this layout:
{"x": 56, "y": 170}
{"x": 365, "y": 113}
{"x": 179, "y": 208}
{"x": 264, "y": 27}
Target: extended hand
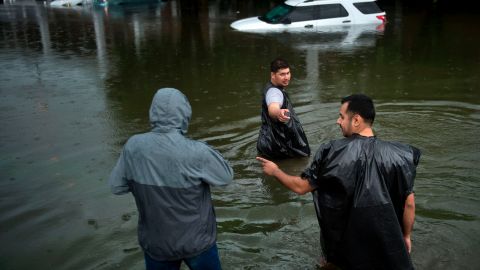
{"x": 269, "y": 167}
{"x": 284, "y": 115}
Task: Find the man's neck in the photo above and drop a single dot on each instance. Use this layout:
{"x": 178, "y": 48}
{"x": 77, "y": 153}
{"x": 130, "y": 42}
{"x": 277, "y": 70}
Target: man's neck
{"x": 366, "y": 132}
{"x": 277, "y": 86}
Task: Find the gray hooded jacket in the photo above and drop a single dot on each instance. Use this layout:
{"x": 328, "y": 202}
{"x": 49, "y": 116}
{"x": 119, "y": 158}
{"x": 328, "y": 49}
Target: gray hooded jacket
{"x": 170, "y": 176}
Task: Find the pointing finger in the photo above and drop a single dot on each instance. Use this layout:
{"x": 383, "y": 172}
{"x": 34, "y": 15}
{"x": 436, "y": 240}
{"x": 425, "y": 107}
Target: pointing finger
{"x": 261, "y": 159}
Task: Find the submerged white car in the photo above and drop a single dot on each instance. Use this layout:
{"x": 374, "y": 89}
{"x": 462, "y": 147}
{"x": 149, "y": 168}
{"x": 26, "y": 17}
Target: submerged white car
{"x": 311, "y": 14}
{"x": 68, "y": 3}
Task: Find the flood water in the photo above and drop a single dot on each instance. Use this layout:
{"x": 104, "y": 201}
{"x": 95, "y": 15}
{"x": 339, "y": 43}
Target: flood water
{"x": 75, "y": 83}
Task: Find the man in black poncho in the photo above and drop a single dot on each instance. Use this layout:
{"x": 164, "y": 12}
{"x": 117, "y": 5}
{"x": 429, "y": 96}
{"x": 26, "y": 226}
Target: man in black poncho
{"x": 281, "y": 134}
{"x": 363, "y": 192}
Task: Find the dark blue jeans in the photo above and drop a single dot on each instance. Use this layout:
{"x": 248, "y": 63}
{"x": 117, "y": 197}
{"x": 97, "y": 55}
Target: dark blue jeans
{"x": 208, "y": 260}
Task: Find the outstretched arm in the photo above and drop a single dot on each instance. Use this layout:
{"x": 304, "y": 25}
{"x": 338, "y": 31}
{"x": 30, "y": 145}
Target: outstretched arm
{"x": 294, "y": 183}
{"x": 408, "y": 220}
{"x": 275, "y": 112}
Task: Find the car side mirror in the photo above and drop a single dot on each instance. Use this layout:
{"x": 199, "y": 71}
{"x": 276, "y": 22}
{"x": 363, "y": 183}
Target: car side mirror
{"x": 286, "y": 21}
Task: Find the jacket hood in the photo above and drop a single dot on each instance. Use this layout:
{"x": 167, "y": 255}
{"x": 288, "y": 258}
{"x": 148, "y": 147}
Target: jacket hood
{"x": 170, "y": 110}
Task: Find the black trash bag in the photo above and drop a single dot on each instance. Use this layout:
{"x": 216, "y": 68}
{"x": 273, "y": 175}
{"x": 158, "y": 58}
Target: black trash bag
{"x": 361, "y": 184}
{"x": 278, "y": 140}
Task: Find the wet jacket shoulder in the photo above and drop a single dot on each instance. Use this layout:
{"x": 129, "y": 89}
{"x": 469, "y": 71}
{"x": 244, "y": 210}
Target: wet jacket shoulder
{"x": 164, "y": 156}
{"x": 333, "y": 158}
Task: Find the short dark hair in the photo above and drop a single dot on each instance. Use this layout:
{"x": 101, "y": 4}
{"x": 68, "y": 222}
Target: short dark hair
{"x": 278, "y": 64}
{"x": 362, "y": 105}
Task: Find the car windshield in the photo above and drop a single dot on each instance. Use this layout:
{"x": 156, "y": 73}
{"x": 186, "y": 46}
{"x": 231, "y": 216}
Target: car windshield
{"x": 276, "y": 14}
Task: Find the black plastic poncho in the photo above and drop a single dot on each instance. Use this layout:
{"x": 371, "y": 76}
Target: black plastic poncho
{"x": 281, "y": 140}
{"x": 361, "y": 184}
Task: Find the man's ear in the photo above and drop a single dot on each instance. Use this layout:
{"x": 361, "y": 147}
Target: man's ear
{"x": 356, "y": 120}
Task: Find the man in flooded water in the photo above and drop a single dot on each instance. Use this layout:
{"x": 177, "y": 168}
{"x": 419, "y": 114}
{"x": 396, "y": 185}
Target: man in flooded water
{"x": 281, "y": 134}
{"x": 170, "y": 176}
{"x": 362, "y": 190}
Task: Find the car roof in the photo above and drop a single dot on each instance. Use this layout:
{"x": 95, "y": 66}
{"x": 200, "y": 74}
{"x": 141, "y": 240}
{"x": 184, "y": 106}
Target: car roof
{"x": 310, "y": 2}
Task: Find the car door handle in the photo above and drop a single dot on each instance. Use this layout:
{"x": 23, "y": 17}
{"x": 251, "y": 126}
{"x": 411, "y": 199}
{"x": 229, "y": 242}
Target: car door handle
{"x": 309, "y": 26}
{"x": 347, "y": 21}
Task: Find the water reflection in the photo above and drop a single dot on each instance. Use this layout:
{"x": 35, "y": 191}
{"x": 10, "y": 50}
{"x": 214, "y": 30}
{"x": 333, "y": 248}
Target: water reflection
{"x": 76, "y": 83}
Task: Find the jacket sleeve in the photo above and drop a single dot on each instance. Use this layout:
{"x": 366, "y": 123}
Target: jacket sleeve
{"x": 118, "y": 177}
{"x": 215, "y": 169}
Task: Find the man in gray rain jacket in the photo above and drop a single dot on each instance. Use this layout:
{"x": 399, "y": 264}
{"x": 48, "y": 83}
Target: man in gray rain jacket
{"x": 170, "y": 177}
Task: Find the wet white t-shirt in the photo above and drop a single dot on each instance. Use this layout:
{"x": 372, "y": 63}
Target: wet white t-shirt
{"x": 274, "y": 95}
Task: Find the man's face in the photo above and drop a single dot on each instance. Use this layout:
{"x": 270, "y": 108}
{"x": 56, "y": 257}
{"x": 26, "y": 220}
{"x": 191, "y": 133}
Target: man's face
{"x": 345, "y": 121}
{"x": 281, "y": 78}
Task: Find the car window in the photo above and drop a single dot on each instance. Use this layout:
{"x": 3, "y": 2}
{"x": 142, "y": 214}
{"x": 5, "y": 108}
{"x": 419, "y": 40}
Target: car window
{"x": 331, "y": 11}
{"x": 300, "y": 14}
{"x": 368, "y": 7}
{"x": 276, "y": 14}
{"x": 309, "y": 13}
